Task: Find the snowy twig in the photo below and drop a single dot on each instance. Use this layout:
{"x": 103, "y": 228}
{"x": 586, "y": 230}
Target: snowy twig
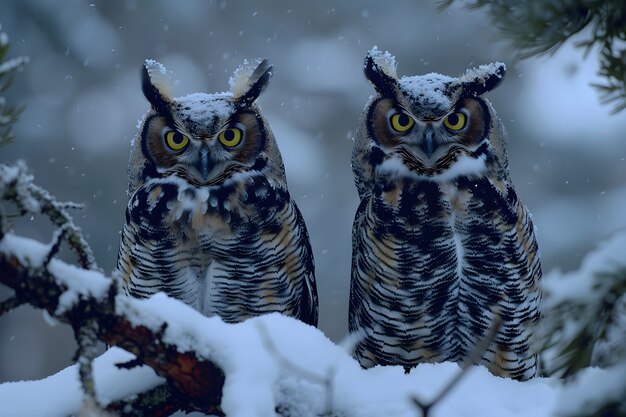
{"x": 86, "y": 336}
{"x": 271, "y": 347}
{"x": 16, "y": 185}
{"x": 55, "y": 245}
{"x": 472, "y": 359}
{"x": 324, "y": 380}
{"x": 55, "y": 210}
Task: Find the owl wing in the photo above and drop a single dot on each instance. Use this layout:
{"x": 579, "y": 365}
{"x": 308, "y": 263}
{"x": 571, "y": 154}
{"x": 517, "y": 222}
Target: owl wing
{"x": 266, "y": 266}
{"x": 503, "y": 264}
{"x": 300, "y": 247}
{"x": 153, "y": 255}
{"x": 355, "y": 300}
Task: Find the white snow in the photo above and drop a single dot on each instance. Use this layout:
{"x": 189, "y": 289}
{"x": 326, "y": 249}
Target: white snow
{"x": 158, "y": 76}
{"x": 27, "y": 251}
{"x": 464, "y": 165}
{"x": 238, "y": 82}
{"x": 430, "y": 89}
{"x": 573, "y": 306}
{"x": 385, "y": 60}
{"x": 79, "y": 282}
{"x": 274, "y": 360}
{"x": 592, "y": 388}
{"x": 19, "y": 174}
{"x": 433, "y": 90}
{"x": 577, "y": 286}
{"x": 196, "y": 106}
{"x": 13, "y": 64}
{"x": 62, "y": 395}
{"x": 482, "y": 72}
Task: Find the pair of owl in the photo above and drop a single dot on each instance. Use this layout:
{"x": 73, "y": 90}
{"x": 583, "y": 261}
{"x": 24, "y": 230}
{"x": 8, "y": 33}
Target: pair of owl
{"x": 442, "y": 245}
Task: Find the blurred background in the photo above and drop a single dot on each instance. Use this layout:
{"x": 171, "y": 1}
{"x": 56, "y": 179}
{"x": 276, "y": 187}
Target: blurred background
{"x": 83, "y": 99}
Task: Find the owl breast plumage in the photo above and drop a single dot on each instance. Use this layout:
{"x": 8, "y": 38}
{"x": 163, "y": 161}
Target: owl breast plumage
{"x": 442, "y": 245}
{"x": 209, "y": 219}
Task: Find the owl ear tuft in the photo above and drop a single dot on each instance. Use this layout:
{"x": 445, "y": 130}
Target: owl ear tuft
{"x": 478, "y": 81}
{"x": 248, "y": 81}
{"x": 380, "y": 70}
{"x": 155, "y": 86}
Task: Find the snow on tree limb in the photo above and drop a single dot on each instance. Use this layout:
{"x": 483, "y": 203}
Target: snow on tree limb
{"x": 16, "y": 185}
{"x": 230, "y": 369}
{"x": 584, "y": 311}
{"x": 80, "y": 296}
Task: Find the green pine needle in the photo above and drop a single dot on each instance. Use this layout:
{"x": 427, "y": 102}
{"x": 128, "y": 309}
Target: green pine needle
{"x": 541, "y": 26}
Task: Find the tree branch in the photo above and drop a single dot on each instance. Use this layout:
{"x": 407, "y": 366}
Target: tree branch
{"x": 16, "y": 185}
{"x": 194, "y": 382}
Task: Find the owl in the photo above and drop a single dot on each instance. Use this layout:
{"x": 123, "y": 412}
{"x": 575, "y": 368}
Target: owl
{"x": 210, "y": 220}
{"x": 442, "y": 245}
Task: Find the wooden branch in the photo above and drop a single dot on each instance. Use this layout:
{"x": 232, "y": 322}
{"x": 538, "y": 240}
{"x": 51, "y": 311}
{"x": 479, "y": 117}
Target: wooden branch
{"x": 194, "y": 383}
{"x": 16, "y": 185}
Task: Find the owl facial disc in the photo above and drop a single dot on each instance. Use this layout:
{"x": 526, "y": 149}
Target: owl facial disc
{"x": 207, "y": 138}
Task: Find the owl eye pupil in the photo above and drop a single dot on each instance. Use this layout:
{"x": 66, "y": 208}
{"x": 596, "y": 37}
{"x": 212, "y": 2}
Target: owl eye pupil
{"x": 176, "y": 141}
{"x": 401, "y": 122}
{"x": 177, "y": 138}
{"x": 455, "y": 121}
{"x": 229, "y": 135}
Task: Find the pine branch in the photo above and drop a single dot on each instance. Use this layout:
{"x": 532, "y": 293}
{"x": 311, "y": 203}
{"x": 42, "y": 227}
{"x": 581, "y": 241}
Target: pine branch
{"x": 579, "y": 332}
{"x": 8, "y": 113}
{"x": 542, "y": 27}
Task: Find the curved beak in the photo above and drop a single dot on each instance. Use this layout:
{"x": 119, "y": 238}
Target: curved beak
{"x": 427, "y": 144}
{"x": 203, "y": 163}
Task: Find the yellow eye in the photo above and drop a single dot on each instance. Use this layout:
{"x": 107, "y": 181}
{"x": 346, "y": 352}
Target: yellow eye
{"x": 175, "y": 140}
{"x": 230, "y": 137}
{"x": 455, "y": 121}
{"x": 401, "y": 122}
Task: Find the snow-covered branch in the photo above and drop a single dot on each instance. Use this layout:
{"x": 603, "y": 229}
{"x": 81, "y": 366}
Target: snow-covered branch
{"x": 585, "y": 312}
{"x": 78, "y": 296}
{"x": 16, "y": 185}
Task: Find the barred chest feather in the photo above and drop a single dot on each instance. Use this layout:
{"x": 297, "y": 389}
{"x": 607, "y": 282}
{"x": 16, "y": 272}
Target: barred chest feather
{"x": 234, "y": 208}
{"x": 219, "y": 236}
{"x": 434, "y": 253}
{"x": 423, "y": 211}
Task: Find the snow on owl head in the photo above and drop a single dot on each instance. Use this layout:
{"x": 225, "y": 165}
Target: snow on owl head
{"x": 205, "y": 138}
{"x": 432, "y": 126}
